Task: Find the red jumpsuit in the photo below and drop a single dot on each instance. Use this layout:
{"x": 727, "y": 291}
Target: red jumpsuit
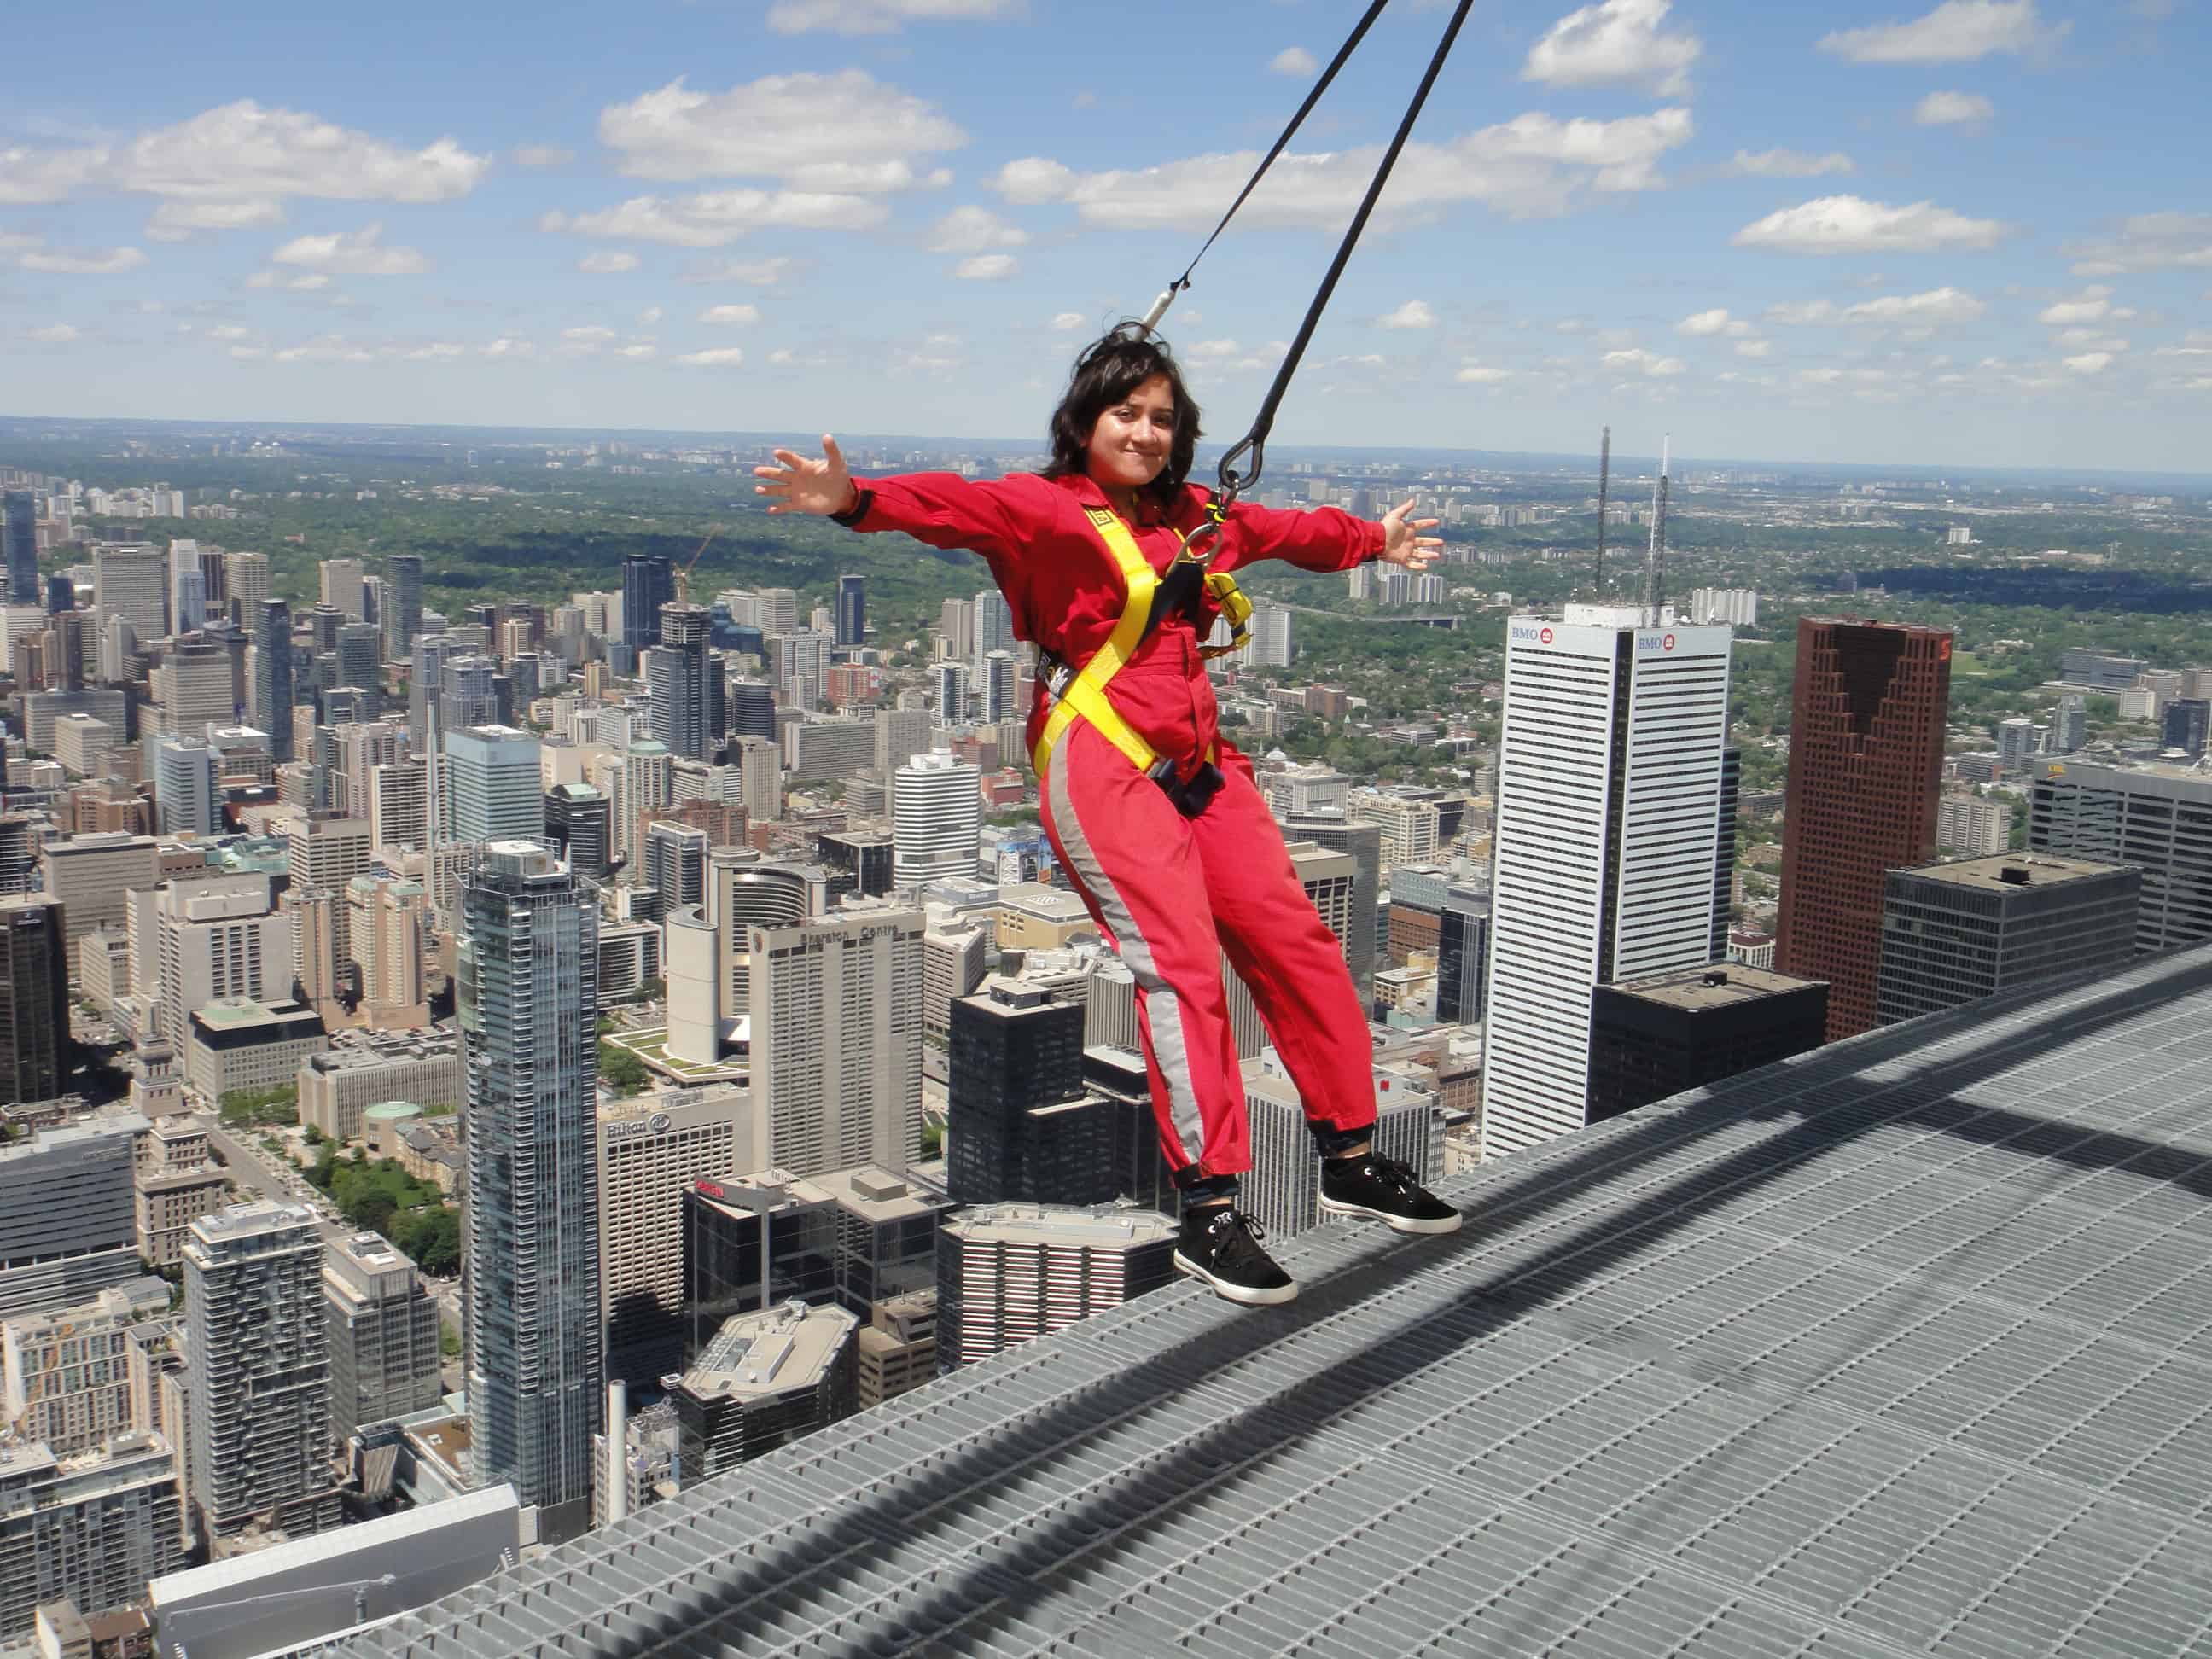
{"x": 1170, "y": 893}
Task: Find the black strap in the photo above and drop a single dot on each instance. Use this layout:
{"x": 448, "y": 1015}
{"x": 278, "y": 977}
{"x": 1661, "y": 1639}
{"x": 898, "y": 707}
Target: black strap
{"x": 1343, "y": 55}
{"x": 1255, "y": 441}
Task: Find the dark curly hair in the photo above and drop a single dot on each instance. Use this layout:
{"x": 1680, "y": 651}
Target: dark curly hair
{"x": 1109, "y": 369}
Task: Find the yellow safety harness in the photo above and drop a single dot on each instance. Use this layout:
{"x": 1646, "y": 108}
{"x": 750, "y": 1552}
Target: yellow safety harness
{"x": 1081, "y": 693}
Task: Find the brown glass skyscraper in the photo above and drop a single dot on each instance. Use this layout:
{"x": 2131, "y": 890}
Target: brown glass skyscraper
{"x": 1866, "y": 756}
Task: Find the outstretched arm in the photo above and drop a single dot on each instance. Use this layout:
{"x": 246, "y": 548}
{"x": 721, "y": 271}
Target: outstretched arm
{"x": 1327, "y": 539}
{"x": 943, "y": 509}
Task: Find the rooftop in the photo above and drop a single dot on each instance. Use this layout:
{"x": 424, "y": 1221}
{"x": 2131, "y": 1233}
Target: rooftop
{"x": 1899, "y": 1347}
{"x": 766, "y": 1353}
{"x": 1995, "y": 874}
{"x": 1691, "y": 990}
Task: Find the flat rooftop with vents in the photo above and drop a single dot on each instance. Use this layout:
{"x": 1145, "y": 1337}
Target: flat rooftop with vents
{"x": 1900, "y": 1347}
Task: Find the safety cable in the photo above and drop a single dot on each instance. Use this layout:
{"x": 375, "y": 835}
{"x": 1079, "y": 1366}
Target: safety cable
{"x": 1255, "y": 441}
{"x": 1343, "y": 56}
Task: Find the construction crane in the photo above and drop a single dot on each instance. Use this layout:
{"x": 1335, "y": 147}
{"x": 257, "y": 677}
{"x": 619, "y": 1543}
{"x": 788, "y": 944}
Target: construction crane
{"x": 683, "y": 576}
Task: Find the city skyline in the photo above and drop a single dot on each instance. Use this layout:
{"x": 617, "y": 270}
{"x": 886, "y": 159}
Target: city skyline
{"x": 1876, "y": 235}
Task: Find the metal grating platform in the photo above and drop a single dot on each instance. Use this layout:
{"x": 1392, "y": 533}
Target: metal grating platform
{"x": 1901, "y": 1347}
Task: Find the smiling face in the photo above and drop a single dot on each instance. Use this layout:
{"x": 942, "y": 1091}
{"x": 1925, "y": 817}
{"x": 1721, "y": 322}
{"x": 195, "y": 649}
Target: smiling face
{"x": 1130, "y": 443}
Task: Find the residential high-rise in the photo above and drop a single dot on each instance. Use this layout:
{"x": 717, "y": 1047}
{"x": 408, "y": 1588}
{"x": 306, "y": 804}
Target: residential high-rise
{"x": 1663, "y": 1033}
{"x": 1866, "y": 763}
{"x": 387, "y": 920}
{"x": 131, "y": 581}
{"x": 577, "y": 827}
{"x": 937, "y": 818}
{"x": 529, "y": 994}
{"x": 1973, "y": 824}
{"x": 90, "y": 1532}
{"x": 67, "y": 1378}
{"x": 1283, "y": 1190}
{"x": 994, "y": 630}
{"x": 1956, "y": 933}
{"x": 836, "y": 1039}
{"x": 1608, "y": 811}
{"x": 259, "y": 1367}
{"x": 950, "y": 693}
{"x": 995, "y": 1262}
{"x": 2071, "y": 729}
{"x": 995, "y": 686}
{"x": 2016, "y": 745}
{"x": 2156, "y": 818}
{"x": 1274, "y": 636}
{"x": 852, "y": 611}
{"x": 763, "y": 1381}
{"x": 648, "y": 583}
{"x": 34, "y": 1005}
{"x": 689, "y": 702}
{"x": 187, "y": 786}
{"x": 383, "y": 1334}
{"x": 19, "y": 545}
{"x": 491, "y": 786}
{"x": 272, "y": 674}
{"x": 403, "y": 618}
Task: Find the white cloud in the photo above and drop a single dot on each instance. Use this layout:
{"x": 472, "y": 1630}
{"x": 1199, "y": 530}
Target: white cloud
{"x": 1473, "y": 374}
{"x": 1956, "y": 31}
{"x": 1616, "y": 43}
{"x": 243, "y": 151}
{"x": 986, "y": 268}
{"x": 437, "y": 351}
{"x": 1851, "y": 224}
{"x": 1754, "y": 348}
{"x": 80, "y": 262}
{"x": 974, "y": 230}
{"x": 1064, "y": 321}
{"x": 306, "y": 282}
{"x": 327, "y": 348}
{"x": 1717, "y": 321}
{"x": 1789, "y": 164}
{"x": 2090, "y": 363}
{"x": 1791, "y": 315}
{"x": 1293, "y": 60}
{"x": 508, "y": 346}
{"x": 228, "y": 331}
{"x": 2089, "y": 339}
{"x": 1937, "y": 305}
{"x": 178, "y": 222}
{"x": 28, "y": 176}
{"x": 1953, "y": 109}
{"x": 638, "y": 350}
{"x": 352, "y": 254}
{"x": 607, "y": 262}
{"x": 754, "y": 273}
{"x": 1532, "y": 165}
{"x": 881, "y": 16}
{"x": 720, "y": 357}
{"x": 248, "y": 353}
{"x": 1635, "y": 360}
{"x": 2092, "y": 305}
{"x": 1414, "y": 313}
{"x": 716, "y": 218}
{"x": 649, "y": 316}
{"x": 731, "y": 314}
{"x": 846, "y": 133}
{"x": 541, "y": 155}
{"x": 51, "y": 334}
{"x": 2148, "y": 241}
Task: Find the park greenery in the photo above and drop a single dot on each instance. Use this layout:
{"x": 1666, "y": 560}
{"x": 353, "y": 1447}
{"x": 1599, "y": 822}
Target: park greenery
{"x": 256, "y": 1109}
{"x": 380, "y": 1196}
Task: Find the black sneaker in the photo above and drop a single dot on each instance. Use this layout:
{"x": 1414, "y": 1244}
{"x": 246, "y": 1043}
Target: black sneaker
{"x": 1220, "y": 1244}
{"x": 1385, "y": 1189}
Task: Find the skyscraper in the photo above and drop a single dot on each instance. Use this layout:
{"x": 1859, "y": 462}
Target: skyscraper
{"x": 2158, "y": 818}
{"x": 674, "y": 865}
{"x": 187, "y": 787}
{"x": 272, "y": 674}
{"x": 259, "y": 1394}
{"x": 132, "y": 582}
{"x": 751, "y": 710}
{"x": 648, "y": 583}
{"x": 1608, "y": 790}
{"x": 529, "y": 990}
{"x": 577, "y": 827}
{"x": 995, "y": 628}
{"x": 2188, "y": 723}
{"x": 685, "y": 680}
{"x": 34, "y": 1030}
{"x": 1015, "y": 1048}
{"x": 852, "y": 611}
{"x": 1866, "y": 763}
{"x": 491, "y": 786}
{"x": 383, "y": 1334}
{"x": 836, "y": 1039}
{"x": 404, "y": 618}
{"x": 937, "y": 818}
{"x": 245, "y": 581}
{"x": 1000, "y": 676}
{"x": 950, "y": 693}
{"x": 19, "y": 543}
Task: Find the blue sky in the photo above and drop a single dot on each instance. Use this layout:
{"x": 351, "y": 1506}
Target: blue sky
{"x": 1976, "y": 232}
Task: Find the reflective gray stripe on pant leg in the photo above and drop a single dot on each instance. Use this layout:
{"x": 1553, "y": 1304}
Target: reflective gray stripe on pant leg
{"x": 1163, "y": 1008}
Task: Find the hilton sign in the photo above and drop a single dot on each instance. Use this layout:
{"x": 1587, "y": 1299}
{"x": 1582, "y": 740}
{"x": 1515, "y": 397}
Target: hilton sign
{"x": 623, "y": 1128}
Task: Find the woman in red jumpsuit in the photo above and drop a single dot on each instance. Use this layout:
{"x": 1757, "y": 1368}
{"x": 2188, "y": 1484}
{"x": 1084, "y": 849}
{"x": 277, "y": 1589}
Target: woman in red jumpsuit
{"x": 1174, "y": 874}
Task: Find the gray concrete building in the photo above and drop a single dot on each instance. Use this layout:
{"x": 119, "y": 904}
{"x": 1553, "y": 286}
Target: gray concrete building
{"x": 384, "y": 1334}
{"x": 67, "y": 1230}
{"x": 92, "y": 1529}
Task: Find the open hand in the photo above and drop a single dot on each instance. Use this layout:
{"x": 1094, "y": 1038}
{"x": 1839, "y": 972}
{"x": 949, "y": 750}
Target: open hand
{"x": 1402, "y": 542}
{"x": 798, "y": 484}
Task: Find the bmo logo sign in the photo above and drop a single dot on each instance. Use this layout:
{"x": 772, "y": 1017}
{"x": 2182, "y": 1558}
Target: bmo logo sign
{"x": 1529, "y": 633}
{"x": 1654, "y": 643}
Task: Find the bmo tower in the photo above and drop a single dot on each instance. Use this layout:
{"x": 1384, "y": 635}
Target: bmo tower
{"x": 1606, "y": 839}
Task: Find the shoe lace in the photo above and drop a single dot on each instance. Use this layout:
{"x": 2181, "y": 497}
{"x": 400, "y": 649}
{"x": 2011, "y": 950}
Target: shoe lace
{"x": 1396, "y": 1171}
{"x": 1239, "y": 1234}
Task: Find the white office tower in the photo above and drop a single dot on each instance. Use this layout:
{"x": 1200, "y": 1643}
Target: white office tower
{"x": 937, "y": 818}
{"x": 130, "y": 580}
{"x": 837, "y": 1040}
{"x": 1274, "y": 638}
{"x": 950, "y": 693}
{"x": 341, "y": 585}
{"x": 1607, "y": 831}
{"x": 994, "y": 630}
{"x": 187, "y": 787}
{"x": 1283, "y": 1191}
{"x": 258, "y": 1375}
{"x": 489, "y": 786}
{"x": 760, "y": 779}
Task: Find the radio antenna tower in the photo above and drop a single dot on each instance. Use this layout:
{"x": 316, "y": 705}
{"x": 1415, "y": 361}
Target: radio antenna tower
{"x": 1654, "y": 588}
{"x": 1604, "y": 478}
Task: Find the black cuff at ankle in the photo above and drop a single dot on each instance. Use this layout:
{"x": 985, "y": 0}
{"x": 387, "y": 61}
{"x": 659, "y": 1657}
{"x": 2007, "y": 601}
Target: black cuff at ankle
{"x": 1332, "y": 1141}
{"x": 1198, "y": 1188}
